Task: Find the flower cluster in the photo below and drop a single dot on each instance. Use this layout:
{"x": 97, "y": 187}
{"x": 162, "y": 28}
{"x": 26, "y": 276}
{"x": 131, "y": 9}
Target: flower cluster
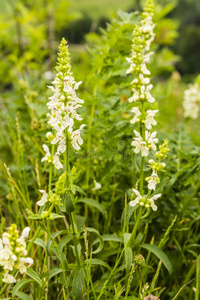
{"x": 145, "y": 139}
{"x": 191, "y": 101}
{"x": 141, "y": 86}
{"x": 63, "y": 105}
{"x": 145, "y": 200}
{"x": 13, "y": 253}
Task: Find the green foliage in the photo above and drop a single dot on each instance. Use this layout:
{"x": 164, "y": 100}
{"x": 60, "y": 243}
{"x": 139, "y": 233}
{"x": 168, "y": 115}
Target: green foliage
{"x": 90, "y": 243}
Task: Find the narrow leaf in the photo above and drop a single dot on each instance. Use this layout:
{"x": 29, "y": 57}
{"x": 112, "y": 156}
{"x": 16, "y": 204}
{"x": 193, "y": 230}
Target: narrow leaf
{"x": 93, "y": 203}
{"x": 160, "y": 254}
{"x": 54, "y": 272}
{"x": 20, "y": 284}
{"x": 31, "y": 273}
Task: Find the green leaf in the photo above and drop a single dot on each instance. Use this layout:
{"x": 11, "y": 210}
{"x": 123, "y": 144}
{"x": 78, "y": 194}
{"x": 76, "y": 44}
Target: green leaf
{"x": 97, "y": 262}
{"x": 56, "y": 216}
{"x": 128, "y": 258}
{"x": 62, "y": 258}
{"x": 160, "y": 254}
{"x": 23, "y": 296}
{"x": 92, "y": 203}
{"x": 69, "y": 206}
{"x": 66, "y": 239}
{"x": 35, "y": 217}
{"x": 93, "y": 230}
{"x": 126, "y": 237}
{"x": 31, "y": 273}
{"x": 40, "y": 242}
{"x": 20, "y": 284}
{"x": 78, "y": 285}
{"x": 54, "y": 272}
{"x": 197, "y": 292}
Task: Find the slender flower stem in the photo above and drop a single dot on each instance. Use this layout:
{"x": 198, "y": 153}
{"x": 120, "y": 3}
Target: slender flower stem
{"x": 142, "y": 158}
{"x": 132, "y": 237}
{"x": 67, "y": 168}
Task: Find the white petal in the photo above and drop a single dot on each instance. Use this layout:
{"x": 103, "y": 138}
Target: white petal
{"x": 25, "y": 232}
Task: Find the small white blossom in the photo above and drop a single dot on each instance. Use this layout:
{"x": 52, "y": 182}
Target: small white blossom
{"x": 135, "y": 96}
{"x": 43, "y": 199}
{"x": 137, "y": 113}
{"x": 137, "y": 199}
{"x": 153, "y": 180}
{"x": 129, "y": 60}
{"x": 191, "y": 101}
{"x": 151, "y": 200}
{"x": 151, "y": 139}
{"x": 48, "y": 154}
{"x": 150, "y": 121}
{"x": 8, "y": 278}
{"x": 97, "y": 186}
{"x": 76, "y": 138}
{"x": 56, "y": 161}
{"x": 140, "y": 145}
{"x": 25, "y": 232}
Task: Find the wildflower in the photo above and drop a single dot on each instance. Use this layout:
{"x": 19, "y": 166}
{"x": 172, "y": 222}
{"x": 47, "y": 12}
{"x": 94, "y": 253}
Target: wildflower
{"x": 140, "y": 145}
{"x": 191, "y": 101}
{"x": 63, "y": 105}
{"x": 137, "y": 113}
{"x": 152, "y": 180}
{"x": 97, "y": 186}
{"x": 144, "y": 200}
{"x": 150, "y": 121}
{"x": 47, "y": 157}
{"x": 43, "y": 199}
{"x": 8, "y": 278}
{"x": 13, "y": 252}
{"x": 151, "y": 139}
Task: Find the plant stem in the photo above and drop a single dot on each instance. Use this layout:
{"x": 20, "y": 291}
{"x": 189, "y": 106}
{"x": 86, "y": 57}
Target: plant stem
{"x": 67, "y": 168}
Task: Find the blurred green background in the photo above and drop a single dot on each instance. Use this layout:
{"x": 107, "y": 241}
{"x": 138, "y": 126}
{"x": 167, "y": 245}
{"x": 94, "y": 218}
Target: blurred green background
{"x": 74, "y": 19}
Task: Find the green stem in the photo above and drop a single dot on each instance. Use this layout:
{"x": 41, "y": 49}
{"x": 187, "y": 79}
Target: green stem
{"x": 142, "y": 132}
{"x": 51, "y": 169}
{"x": 67, "y": 168}
{"x": 33, "y": 238}
{"x": 75, "y": 239}
{"x": 132, "y": 237}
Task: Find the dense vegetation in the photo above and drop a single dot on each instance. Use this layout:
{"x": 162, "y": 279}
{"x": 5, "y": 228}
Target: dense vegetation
{"x": 105, "y": 213}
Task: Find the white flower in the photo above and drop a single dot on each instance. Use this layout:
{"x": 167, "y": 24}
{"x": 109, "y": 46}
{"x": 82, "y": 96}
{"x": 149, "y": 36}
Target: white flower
{"x": 132, "y": 65}
{"x": 5, "y": 240}
{"x": 8, "y": 278}
{"x": 140, "y": 145}
{"x": 56, "y": 161}
{"x": 135, "y": 96}
{"x": 144, "y": 80}
{"x": 151, "y": 200}
{"x": 48, "y": 154}
{"x": 97, "y": 186}
{"x": 191, "y": 101}
{"x": 43, "y": 199}
{"x": 76, "y": 138}
{"x": 151, "y": 139}
{"x": 144, "y": 69}
{"x": 23, "y": 263}
{"x": 152, "y": 181}
{"x": 5, "y": 254}
{"x": 9, "y": 264}
{"x": 148, "y": 94}
{"x": 150, "y": 119}
{"x": 137, "y": 199}
{"x": 25, "y": 232}
{"x": 137, "y": 113}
